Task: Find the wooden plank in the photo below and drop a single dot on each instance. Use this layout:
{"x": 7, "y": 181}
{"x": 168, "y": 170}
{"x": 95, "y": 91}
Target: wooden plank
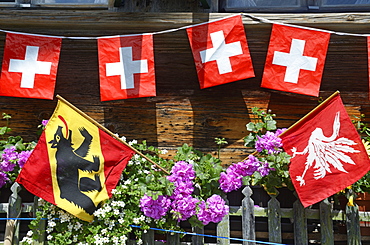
{"x": 274, "y": 219}
{"x": 300, "y": 224}
{"x": 326, "y": 223}
{"x": 248, "y": 221}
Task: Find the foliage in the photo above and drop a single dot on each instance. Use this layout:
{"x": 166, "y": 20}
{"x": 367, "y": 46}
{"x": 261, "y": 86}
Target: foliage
{"x": 14, "y": 153}
{"x": 141, "y": 184}
{"x": 268, "y": 165}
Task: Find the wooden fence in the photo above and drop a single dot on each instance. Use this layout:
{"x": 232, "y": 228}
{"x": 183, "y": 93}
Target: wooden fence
{"x": 225, "y": 233}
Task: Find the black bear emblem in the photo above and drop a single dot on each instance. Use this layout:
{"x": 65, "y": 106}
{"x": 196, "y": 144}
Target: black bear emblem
{"x": 69, "y": 161}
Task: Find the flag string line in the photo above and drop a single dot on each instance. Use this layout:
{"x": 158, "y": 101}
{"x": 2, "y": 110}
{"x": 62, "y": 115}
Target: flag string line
{"x": 253, "y": 17}
{"x": 179, "y": 232}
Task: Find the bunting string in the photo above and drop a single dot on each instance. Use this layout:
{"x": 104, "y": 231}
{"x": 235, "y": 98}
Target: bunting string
{"x": 261, "y": 19}
{"x": 304, "y": 27}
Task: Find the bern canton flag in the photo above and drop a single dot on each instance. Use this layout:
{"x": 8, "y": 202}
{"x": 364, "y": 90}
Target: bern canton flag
{"x": 30, "y": 66}
{"x": 75, "y": 164}
{"x": 220, "y": 52}
{"x": 295, "y": 60}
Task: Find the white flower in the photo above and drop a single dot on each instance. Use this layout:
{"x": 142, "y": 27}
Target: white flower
{"x": 30, "y": 233}
{"x": 49, "y": 237}
{"x": 133, "y": 142}
{"x": 103, "y": 231}
{"x": 121, "y": 220}
{"x": 139, "y": 242}
{"x": 51, "y": 223}
{"x": 164, "y": 151}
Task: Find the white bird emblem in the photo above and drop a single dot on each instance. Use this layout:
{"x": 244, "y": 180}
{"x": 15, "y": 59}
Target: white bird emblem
{"x": 325, "y": 151}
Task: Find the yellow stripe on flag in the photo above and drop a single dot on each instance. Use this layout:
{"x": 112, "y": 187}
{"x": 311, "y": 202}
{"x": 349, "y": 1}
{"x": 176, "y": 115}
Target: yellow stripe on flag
{"x": 76, "y": 161}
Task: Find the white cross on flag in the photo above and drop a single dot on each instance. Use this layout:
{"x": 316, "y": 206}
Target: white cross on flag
{"x": 30, "y": 66}
{"x": 295, "y": 60}
{"x": 220, "y": 51}
{"x": 126, "y": 67}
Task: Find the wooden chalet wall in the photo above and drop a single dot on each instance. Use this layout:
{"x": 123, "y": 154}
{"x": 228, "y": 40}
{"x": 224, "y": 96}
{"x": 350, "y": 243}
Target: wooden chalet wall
{"x": 182, "y": 112}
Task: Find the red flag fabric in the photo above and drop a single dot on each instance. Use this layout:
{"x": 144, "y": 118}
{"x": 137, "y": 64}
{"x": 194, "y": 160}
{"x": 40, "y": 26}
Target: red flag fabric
{"x": 30, "y": 66}
{"x": 75, "y": 164}
{"x": 220, "y": 52}
{"x": 368, "y": 60}
{"x": 327, "y": 152}
{"x": 295, "y": 60}
{"x": 126, "y": 67}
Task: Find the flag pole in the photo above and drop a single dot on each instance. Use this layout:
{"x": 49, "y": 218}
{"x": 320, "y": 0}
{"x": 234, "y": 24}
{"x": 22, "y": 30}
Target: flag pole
{"x": 109, "y": 132}
{"x": 308, "y": 114}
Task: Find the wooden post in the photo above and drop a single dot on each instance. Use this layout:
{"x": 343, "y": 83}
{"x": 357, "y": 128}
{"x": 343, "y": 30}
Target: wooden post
{"x": 14, "y": 211}
{"x": 197, "y": 240}
{"x": 40, "y": 229}
{"x": 173, "y": 238}
{"x": 223, "y": 228}
{"x": 300, "y": 224}
{"x": 148, "y": 237}
{"x": 274, "y": 218}
{"x": 248, "y": 225}
{"x": 353, "y": 225}
{"x": 327, "y": 233}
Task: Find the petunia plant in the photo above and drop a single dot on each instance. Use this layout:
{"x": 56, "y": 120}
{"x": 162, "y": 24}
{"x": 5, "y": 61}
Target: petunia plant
{"x": 268, "y": 165}
{"x": 145, "y": 197}
{"x": 13, "y": 153}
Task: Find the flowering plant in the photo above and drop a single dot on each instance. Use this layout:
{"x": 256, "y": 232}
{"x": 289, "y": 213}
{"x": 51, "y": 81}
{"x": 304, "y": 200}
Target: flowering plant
{"x": 145, "y": 196}
{"x": 268, "y": 165}
{"x": 13, "y": 154}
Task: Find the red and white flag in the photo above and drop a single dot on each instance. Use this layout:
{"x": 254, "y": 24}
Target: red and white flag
{"x": 220, "y": 52}
{"x": 126, "y": 67}
{"x": 30, "y": 65}
{"x": 295, "y": 60}
{"x": 327, "y": 152}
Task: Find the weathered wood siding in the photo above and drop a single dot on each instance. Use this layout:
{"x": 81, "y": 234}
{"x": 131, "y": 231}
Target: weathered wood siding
{"x": 182, "y": 112}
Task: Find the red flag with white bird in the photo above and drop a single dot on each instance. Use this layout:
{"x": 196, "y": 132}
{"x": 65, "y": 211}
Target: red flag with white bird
{"x": 30, "y": 66}
{"x": 220, "y": 51}
{"x": 327, "y": 152}
{"x": 295, "y": 60}
{"x": 126, "y": 67}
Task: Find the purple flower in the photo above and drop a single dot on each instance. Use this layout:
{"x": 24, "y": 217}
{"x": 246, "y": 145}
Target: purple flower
{"x": 154, "y": 208}
{"x": 184, "y": 207}
{"x": 22, "y": 157}
{"x": 184, "y": 188}
{"x": 270, "y": 142}
{"x": 230, "y": 182}
{"x": 182, "y": 171}
{"x": 44, "y": 122}
{"x": 213, "y": 210}
{"x": 264, "y": 169}
{"x": 3, "y": 179}
{"x": 9, "y": 154}
{"x": 7, "y": 166}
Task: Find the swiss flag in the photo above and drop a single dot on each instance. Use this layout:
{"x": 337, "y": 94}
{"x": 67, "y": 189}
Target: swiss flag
{"x": 220, "y": 51}
{"x": 295, "y": 60}
{"x": 126, "y": 67}
{"x": 30, "y": 66}
{"x": 327, "y": 152}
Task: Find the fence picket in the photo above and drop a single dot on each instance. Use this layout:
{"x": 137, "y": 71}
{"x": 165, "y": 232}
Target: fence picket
{"x": 326, "y": 223}
{"x": 223, "y": 228}
{"x": 300, "y": 224}
{"x": 197, "y": 240}
{"x": 274, "y": 219}
{"x": 353, "y": 225}
{"x": 248, "y": 211}
{"x": 248, "y": 222}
